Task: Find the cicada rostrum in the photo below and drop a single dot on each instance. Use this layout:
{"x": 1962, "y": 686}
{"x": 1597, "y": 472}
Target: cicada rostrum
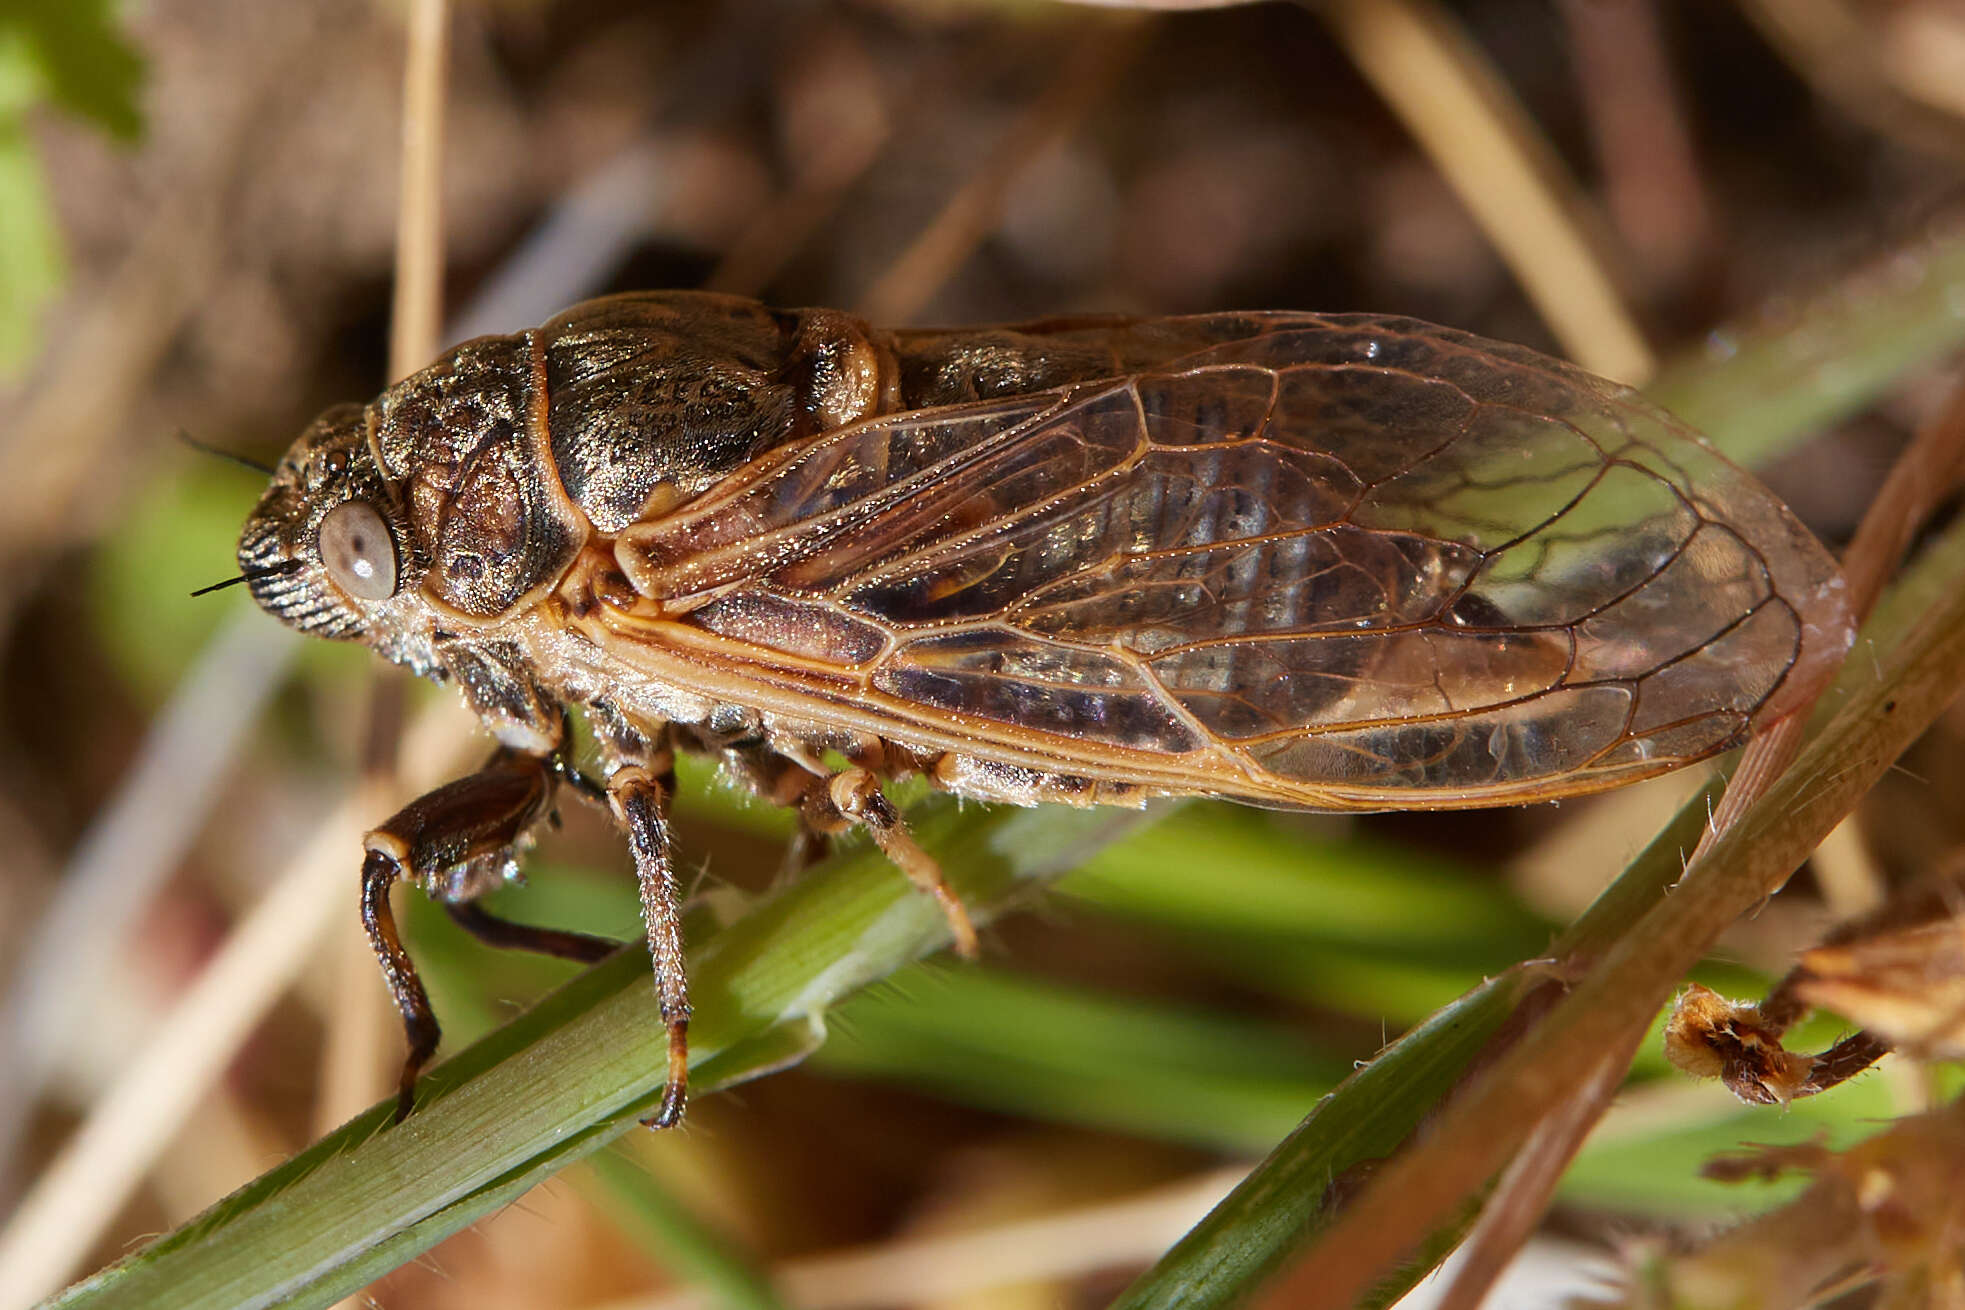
{"x": 1328, "y": 562}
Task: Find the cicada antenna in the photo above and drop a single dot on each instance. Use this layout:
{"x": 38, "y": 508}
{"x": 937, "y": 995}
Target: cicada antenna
{"x": 250, "y": 575}
{"x": 243, "y": 461}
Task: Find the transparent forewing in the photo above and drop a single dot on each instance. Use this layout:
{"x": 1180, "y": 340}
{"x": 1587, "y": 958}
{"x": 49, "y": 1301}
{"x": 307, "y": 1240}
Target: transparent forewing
{"x": 1340, "y": 561}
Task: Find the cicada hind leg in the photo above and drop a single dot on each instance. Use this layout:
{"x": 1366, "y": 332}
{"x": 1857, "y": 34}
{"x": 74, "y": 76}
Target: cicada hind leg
{"x": 832, "y": 803}
{"x": 853, "y": 797}
{"x": 458, "y": 842}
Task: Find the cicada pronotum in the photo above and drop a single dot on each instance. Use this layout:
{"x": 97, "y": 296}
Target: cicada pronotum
{"x": 1329, "y": 562}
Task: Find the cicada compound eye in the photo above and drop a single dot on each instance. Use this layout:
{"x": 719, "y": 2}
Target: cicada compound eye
{"x": 359, "y": 551}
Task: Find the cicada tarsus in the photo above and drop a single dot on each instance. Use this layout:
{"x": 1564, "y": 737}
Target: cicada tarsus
{"x": 1313, "y": 561}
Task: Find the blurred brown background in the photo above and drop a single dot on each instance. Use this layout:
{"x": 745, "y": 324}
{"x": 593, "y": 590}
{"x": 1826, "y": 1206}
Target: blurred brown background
{"x": 923, "y": 161}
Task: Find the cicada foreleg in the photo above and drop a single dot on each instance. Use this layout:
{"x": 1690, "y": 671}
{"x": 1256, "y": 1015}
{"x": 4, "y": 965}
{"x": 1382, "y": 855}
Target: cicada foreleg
{"x": 457, "y": 843}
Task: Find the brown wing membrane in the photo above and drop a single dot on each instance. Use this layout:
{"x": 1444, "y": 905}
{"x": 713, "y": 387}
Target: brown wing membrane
{"x": 1336, "y": 561}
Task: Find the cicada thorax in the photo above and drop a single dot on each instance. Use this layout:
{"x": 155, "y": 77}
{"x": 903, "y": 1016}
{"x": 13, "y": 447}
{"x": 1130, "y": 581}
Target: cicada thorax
{"x": 648, "y": 400}
{"x": 513, "y": 452}
{"x": 653, "y": 399}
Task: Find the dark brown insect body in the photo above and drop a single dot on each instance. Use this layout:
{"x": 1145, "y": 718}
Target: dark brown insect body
{"x": 1317, "y": 561}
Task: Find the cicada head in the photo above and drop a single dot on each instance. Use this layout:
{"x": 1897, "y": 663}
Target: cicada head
{"x": 326, "y": 551}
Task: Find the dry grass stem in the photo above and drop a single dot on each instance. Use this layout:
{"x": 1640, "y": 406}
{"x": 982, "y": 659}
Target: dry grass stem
{"x": 125, "y": 1130}
{"x": 1652, "y": 187}
{"x": 1477, "y": 1134}
{"x": 1922, "y": 477}
{"x": 137, "y": 839}
{"x": 1768, "y": 822}
{"x": 1852, "y": 882}
{"x": 1441, "y": 86}
{"x": 1511, "y": 1214}
{"x": 418, "y": 304}
{"x": 859, "y": 132}
{"x": 969, "y": 215}
{"x": 359, "y": 1034}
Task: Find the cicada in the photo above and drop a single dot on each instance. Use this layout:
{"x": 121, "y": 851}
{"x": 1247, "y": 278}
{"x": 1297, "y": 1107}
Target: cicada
{"x": 1312, "y": 561}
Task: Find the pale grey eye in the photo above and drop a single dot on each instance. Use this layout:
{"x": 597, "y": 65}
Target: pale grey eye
{"x": 359, "y": 552}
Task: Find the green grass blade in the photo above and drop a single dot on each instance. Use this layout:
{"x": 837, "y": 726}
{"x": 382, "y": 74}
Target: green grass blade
{"x": 31, "y": 261}
{"x": 565, "y": 1078}
{"x": 1228, "y": 870}
{"x": 1061, "y": 1053}
{"x": 1198, "y": 1277}
{"x": 1266, "y": 1220}
{"x": 562, "y": 1080}
{"x": 1760, "y": 389}
{"x": 646, "y": 1210}
{"x": 1269, "y": 1214}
